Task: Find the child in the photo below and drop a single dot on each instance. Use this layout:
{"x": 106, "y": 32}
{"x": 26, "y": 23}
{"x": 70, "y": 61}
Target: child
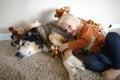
{"x": 104, "y": 51}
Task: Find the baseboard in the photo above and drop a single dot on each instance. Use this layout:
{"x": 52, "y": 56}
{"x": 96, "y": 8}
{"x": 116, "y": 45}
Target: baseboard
{"x": 5, "y": 36}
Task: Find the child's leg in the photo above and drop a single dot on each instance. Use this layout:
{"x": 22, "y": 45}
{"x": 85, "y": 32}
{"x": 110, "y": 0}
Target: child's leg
{"x": 97, "y": 62}
{"x": 113, "y": 45}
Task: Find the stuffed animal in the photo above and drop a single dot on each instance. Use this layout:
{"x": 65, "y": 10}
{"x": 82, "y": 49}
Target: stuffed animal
{"x": 62, "y": 11}
{"x": 97, "y": 26}
{"x": 18, "y": 31}
{"x": 55, "y": 50}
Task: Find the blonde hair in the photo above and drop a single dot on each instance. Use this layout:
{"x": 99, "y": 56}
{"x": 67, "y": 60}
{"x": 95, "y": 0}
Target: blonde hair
{"x": 67, "y": 17}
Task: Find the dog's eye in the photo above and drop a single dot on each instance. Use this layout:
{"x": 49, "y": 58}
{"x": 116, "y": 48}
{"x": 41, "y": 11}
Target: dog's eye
{"x": 23, "y": 44}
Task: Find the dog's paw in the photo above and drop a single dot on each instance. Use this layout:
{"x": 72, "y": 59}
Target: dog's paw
{"x": 73, "y": 70}
{"x": 70, "y": 67}
{"x": 74, "y": 66}
{"x": 72, "y": 77}
{"x": 76, "y": 62}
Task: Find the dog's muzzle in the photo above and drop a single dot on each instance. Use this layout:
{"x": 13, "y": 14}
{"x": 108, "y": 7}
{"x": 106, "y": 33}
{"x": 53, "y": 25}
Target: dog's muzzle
{"x": 18, "y": 54}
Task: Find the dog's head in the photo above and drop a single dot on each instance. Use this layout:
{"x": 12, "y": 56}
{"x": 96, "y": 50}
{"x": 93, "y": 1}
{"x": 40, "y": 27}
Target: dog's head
{"x": 29, "y": 43}
{"x": 27, "y": 48}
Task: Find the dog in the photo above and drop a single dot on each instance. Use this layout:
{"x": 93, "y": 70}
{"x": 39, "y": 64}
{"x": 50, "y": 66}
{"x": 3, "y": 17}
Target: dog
{"x": 39, "y": 39}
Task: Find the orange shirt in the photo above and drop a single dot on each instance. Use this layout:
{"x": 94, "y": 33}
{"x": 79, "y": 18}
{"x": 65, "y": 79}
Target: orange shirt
{"x": 84, "y": 38}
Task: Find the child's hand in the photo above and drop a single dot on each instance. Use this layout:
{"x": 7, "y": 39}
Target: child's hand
{"x": 63, "y": 47}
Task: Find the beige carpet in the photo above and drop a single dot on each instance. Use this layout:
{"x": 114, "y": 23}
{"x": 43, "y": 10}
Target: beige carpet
{"x": 40, "y": 66}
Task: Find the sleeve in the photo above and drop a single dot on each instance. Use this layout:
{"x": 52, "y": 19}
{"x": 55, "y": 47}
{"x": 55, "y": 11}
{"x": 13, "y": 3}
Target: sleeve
{"x": 85, "y": 37}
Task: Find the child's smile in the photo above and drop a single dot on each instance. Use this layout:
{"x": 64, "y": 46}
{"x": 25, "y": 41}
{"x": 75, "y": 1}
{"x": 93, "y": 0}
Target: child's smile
{"x": 70, "y": 27}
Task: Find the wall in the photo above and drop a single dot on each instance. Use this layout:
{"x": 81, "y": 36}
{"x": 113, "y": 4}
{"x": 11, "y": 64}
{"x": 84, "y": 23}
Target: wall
{"x": 21, "y": 12}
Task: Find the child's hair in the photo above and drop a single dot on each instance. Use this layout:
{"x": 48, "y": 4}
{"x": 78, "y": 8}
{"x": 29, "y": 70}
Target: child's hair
{"x": 66, "y": 17}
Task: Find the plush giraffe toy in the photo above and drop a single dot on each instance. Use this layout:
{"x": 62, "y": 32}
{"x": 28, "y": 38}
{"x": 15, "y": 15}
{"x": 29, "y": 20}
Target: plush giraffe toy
{"x": 62, "y": 11}
{"x": 97, "y": 26}
{"x": 55, "y": 51}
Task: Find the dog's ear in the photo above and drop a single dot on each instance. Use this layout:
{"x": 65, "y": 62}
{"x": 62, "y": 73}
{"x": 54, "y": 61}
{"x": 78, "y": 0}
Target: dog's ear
{"x": 34, "y": 30}
{"x": 29, "y": 33}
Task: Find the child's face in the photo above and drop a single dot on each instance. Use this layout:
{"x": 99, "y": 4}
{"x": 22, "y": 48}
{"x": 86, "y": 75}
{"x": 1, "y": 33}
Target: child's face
{"x": 70, "y": 27}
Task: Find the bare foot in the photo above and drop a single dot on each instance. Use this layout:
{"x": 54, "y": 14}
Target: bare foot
{"x": 111, "y": 74}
